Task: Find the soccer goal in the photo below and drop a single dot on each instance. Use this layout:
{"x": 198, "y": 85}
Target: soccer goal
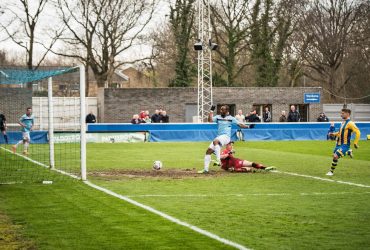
{"x": 42, "y": 121}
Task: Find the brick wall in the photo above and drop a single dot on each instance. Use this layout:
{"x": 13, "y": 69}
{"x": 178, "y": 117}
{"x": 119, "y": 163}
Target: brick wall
{"x": 13, "y": 102}
{"x": 118, "y": 105}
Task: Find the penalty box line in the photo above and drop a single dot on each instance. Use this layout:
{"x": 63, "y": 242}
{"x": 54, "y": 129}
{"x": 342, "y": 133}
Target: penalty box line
{"x": 322, "y": 179}
{"x": 138, "y": 204}
{"x": 241, "y": 195}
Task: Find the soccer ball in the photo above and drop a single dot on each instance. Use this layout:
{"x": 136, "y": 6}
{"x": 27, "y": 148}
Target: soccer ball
{"x": 157, "y": 165}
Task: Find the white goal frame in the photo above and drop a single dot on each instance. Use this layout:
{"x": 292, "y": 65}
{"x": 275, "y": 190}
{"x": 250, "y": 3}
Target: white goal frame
{"x": 82, "y": 123}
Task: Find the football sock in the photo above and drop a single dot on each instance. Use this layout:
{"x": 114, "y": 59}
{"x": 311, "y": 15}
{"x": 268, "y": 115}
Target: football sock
{"x": 218, "y": 152}
{"x": 256, "y": 165}
{"x": 26, "y": 144}
{"x": 20, "y": 142}
{"x": 6, "y": 139}
{"x": 334, "y": 164}
{"x": 207, "y": 160}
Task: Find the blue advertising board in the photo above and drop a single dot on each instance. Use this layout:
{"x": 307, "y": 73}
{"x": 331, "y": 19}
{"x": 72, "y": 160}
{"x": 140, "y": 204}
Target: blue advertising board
{"x": 312, "y": 97}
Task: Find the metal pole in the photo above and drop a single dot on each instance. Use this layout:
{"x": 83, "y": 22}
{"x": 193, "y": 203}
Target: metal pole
{"x": 82, "y": 121}
{"x": 51, "y": 123}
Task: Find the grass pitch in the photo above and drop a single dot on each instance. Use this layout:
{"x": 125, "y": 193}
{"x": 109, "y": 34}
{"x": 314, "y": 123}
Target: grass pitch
{"x": 259, "y": 211}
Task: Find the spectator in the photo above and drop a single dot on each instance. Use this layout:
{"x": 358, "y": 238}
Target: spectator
{"x": 240, "y": 117}
{"x": 3, "y": 127}
{"x": 135, "y": 119}
{"x": 164, "y": 117}
{"x": 293, "y": 115}
{"x": 253, "y": 117}
{"x": 142, "y": 115}
{"x": 156, "y": 117}
{"x": 283, "y": 117}
{"x": 267, "y": 115}
{"x": 322, "y": 118}
{"x": 147, "y": 119}
{"x": 90, "y": 118}
{"x": 329, "y": 135}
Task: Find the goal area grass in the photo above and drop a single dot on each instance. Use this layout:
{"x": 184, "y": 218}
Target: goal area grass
{"x": 297, "y": 207}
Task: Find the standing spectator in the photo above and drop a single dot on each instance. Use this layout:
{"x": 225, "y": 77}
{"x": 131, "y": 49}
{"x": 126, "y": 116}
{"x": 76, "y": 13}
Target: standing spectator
{"x": 156, "y": 117}
{"x": 164, "y": 117}
{"x": 3, "y": 127}
{"x": 136, "y": 119}
{"x": 293, "y": 115}
{"x": 240, "y": 117}
{"x": 90, "y": 118}
{"x": 267, "y": 115}
{"x": 283, "y": 117}
{"x": 253, "y": 117}
{"x": 330, "y": 133}
{"x": 322, "y": 118}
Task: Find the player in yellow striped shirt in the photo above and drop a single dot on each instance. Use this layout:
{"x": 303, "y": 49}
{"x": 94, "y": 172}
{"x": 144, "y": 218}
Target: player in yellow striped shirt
{"x": 344, "y": 134}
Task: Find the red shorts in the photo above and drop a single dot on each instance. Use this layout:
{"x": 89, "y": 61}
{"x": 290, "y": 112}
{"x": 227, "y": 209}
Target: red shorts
{"x": 232, "y": 163}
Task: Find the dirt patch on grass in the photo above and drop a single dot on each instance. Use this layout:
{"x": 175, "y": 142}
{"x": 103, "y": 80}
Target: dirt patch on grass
{"x": 10, "y": 236}
{"x": 163, "y": 173}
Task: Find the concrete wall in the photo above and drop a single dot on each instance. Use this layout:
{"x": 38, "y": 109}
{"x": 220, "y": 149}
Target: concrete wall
{"x": 13, "y": 103}
{"x": 360, "y": 112}
{"x": 118, "y": 105}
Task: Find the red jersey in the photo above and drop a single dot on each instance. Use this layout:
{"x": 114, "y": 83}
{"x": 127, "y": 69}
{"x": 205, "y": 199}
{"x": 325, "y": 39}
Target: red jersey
{"x": 230, "y": 161}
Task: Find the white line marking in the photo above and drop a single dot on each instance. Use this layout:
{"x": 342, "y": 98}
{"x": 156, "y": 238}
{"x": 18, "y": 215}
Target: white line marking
{"x": 168, "y": 217}
{"x": 11, "y": 183}
{"x": 322, "y": 179}
{"x": 244, "y": 195}
{"x": 42, "y": 164}
{"x": 148, "y": 208}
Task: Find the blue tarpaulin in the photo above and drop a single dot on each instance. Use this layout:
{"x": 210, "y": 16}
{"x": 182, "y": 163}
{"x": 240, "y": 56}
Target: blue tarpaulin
{"x": 208, "y": 131}
{"x": 37, "y": 137}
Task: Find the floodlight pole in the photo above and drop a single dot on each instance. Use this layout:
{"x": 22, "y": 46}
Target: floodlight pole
{"x": 51, "y": 123}
{"x": 205, "y": 99}
{"x": 82, "y": 122}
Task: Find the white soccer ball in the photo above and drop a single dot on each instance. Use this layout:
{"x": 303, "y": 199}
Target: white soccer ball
{"x": 157, "y": 165}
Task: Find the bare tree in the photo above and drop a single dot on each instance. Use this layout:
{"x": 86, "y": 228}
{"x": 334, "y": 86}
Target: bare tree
{"x": 163, "y": 56}
{"x": 22, "y": 26}
{"x": 329, "y": 26}
{"x": 100, "y": 31}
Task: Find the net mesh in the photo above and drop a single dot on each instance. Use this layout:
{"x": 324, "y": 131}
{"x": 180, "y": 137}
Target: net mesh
{"x": 19, "y": 164}
{"x": 17, "y": 75}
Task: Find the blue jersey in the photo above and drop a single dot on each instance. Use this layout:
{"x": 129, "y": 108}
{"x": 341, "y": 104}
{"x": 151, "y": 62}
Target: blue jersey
{"x": 28, "y": 121}
{"x": 224, "y": 124}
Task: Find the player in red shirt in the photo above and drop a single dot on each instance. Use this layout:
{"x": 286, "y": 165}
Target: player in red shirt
{"x": 230, "y": 163}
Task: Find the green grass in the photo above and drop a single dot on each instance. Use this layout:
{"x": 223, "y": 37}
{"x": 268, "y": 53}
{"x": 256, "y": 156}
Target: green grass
{"x": 260, "y": 210}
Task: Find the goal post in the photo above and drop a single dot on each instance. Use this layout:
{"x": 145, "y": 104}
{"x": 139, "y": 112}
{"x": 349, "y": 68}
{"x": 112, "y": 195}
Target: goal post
{"x": 58, "y": 137}
{"x": 82, "y": 121}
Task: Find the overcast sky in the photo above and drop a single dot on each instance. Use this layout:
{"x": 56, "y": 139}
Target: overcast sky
{"x": 49, "y": 19}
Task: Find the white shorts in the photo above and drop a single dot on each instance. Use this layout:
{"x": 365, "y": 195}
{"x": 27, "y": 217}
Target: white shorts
{"x": 223, "y": 139}
{"x": 26, "y": 136}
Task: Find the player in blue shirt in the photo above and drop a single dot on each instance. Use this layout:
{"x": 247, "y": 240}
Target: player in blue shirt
{"x": 224, "y": 123}
{"x": 27, "y": 121}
